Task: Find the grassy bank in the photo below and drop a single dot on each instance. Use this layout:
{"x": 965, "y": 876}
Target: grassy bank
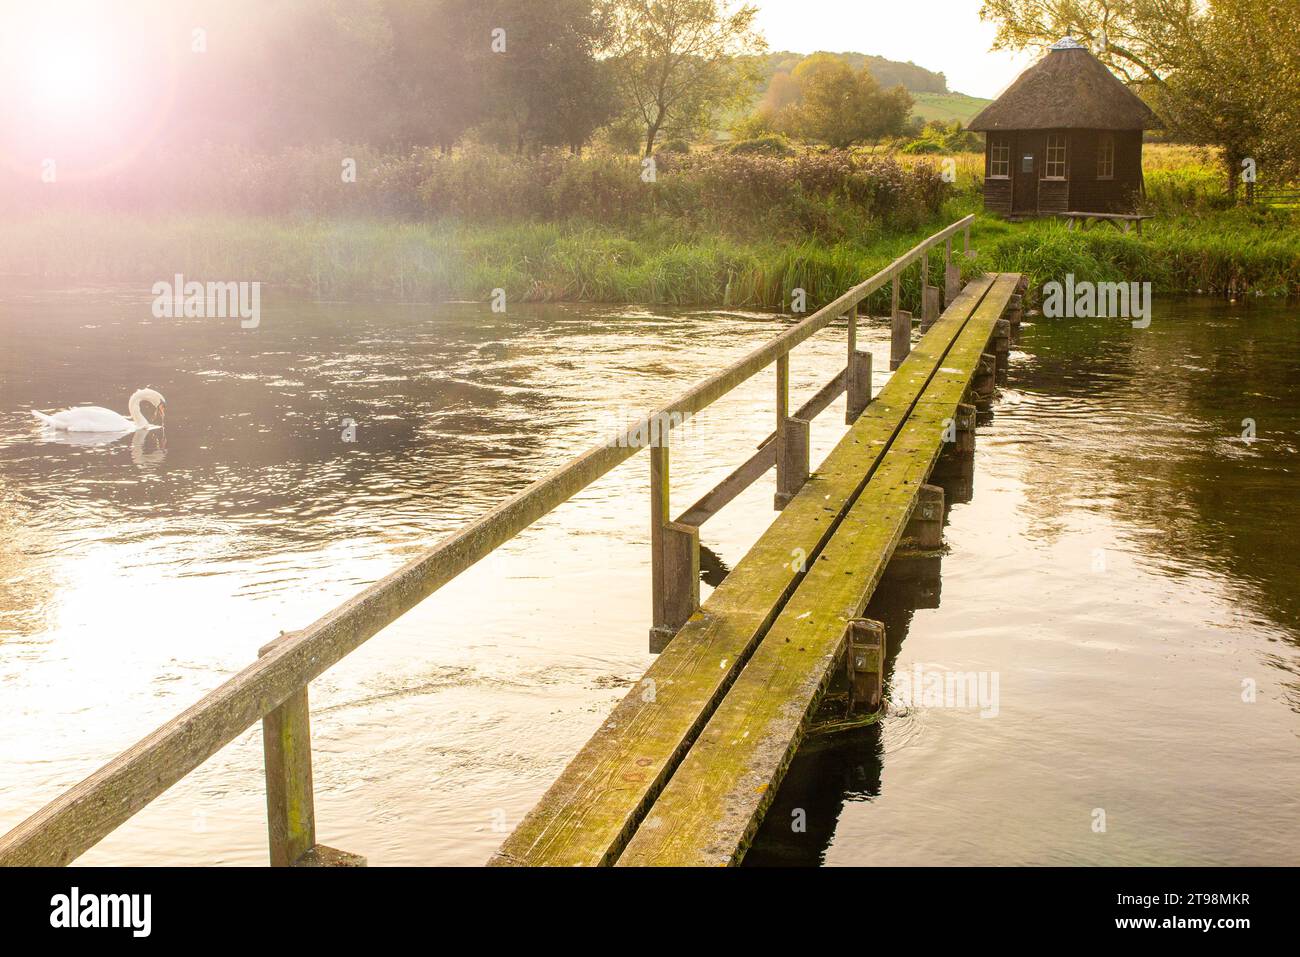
{"x": 717, "y": 231}
{"x": 1230, "y": 253}
{"x": 571, "y": 261}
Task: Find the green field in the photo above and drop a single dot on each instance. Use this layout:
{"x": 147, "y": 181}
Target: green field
{"x": 948, "y": 106}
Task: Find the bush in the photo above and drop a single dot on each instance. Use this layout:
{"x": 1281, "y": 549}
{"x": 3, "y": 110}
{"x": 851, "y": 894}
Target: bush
{"x": 771, "y": 145}
{"x": 674, "y": 146}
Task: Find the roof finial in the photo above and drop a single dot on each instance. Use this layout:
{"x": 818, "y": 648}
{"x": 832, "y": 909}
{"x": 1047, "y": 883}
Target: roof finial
{"x": 1068, "y": 42}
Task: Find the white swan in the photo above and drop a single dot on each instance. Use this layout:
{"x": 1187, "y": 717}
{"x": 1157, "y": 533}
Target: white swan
{"x": 92, "y": 418}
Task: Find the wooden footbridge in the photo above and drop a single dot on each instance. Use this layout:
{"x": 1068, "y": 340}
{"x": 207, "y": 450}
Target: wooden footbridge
{"x": 685, "y": 766}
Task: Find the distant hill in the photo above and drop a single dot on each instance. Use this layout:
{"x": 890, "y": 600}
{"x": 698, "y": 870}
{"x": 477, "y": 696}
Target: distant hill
{"x": 948, "y": 106}
{"x": 887, "y": 72}
{"x": 934, "y": 101}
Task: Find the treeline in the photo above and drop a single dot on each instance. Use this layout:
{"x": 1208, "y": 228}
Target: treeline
{"x": 524, "y": 75}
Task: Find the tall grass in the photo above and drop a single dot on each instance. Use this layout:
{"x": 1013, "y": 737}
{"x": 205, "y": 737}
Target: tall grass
{"x": 1230, "y": 253}
{"x": 423, "y": 262}
{"x": 830, "y": 194}
{"x": 721, "y": 230}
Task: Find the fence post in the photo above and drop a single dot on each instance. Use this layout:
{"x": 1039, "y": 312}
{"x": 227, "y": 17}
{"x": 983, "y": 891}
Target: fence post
{"x": 857, "y": 374}
{"x": 864, "y": 660}
{"x": 674, "y": 555}
{"x": 290, "y": 800}
{"x": 792, "y": 451}
{"x": 900, "y": 343}
{"x": 951, "y": 276}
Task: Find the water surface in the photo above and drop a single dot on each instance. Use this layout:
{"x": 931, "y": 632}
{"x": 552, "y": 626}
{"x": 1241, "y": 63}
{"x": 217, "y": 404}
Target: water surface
{"x": 1125, "y": 564}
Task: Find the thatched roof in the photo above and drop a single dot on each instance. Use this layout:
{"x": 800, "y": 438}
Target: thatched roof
{"x": 1069, "y": 89}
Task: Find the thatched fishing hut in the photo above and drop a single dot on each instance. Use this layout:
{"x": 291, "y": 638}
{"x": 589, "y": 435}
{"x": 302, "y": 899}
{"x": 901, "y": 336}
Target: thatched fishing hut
{"x": 1065, "y": 137}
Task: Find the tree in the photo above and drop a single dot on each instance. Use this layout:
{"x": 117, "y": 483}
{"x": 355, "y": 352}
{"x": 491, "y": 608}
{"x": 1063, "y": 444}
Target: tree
{"x": 545, "y": 85}
{"x": 433, "y": 82}
{"x": 677, "y": 61}
{"x": 840, "y": 106}
{"x": 1222, "y": 74}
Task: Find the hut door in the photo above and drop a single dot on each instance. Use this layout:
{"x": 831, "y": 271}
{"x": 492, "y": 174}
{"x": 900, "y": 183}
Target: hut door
{"x": 1025, "y": 192}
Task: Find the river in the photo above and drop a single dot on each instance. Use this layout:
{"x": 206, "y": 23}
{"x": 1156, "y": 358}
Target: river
{"x": 1126, "y": 568}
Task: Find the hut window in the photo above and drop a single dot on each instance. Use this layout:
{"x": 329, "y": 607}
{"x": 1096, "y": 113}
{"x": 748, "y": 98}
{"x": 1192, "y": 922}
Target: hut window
{"x": 1000, "y": 159}
{"x": 1106, "y": 156}
{"x": 1055, "y": 167}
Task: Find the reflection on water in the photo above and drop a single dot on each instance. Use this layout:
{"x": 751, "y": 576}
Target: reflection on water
{"x": 301, "y": 461}
{"x": 1123, "y": 565}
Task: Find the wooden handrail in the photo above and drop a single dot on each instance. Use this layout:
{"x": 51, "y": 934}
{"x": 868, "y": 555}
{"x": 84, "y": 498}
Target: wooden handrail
{"x": 85, "y": 814}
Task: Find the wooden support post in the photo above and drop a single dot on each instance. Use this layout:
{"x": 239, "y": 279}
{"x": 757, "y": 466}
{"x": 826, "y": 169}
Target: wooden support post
{"x": 865, "y": 663}
{"x": 965, "y": 422}
{"x": 985, "y": 383}
{"x": 792, "y": 449}
{"x": 957, "y": 460}
{"x": 674, "y": 557}
{"x": 1015, "y": 315}
{"x": 792, "y": 461}
{"x": 925, "y": 528}
{"x": 1002, "y": 344}
{"x": 900, "y": 343}
{"x": 290, "y": 800}
{"x": 931, "y": 307}
{"x": 859, "y": 385}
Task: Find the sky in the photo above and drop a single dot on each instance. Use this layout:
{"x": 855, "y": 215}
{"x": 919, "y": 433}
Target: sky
{"x": 942, "y": 35}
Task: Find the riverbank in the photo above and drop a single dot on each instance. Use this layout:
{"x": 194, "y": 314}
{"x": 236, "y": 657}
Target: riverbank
{"x": 1230, "y": 253}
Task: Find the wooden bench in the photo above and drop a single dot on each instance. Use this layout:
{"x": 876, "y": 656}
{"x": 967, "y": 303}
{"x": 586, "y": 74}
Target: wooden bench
{"x": 1121, "y": 221}
{"x": 1277, "y": 197}
{"x": 594, "y": 808}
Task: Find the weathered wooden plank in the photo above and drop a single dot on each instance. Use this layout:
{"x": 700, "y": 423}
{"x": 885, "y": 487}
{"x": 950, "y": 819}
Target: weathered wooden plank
{"x": 711, "y": 807}
{"x": 591, "y": 810}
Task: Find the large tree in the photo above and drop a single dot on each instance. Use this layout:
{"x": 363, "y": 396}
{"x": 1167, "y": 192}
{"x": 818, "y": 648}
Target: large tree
{"x": 546, "y": 86}
{"x": 678, "y": 61}
{"x": 840, "y": 106}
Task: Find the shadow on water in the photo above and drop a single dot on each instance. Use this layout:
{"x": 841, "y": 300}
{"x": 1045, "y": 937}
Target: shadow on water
{"x": 839, "y": 767}
{"x": 1174, "y": 451}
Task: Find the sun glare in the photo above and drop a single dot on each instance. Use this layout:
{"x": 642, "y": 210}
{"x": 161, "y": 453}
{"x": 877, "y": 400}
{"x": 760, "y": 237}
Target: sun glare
{"x": 68, "y": 75}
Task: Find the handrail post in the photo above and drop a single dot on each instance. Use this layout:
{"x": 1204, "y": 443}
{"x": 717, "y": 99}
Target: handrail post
{"x": 951, "y": 276}
{"x": 792, "y": 452}
{"x": 930, "y": 301}
{"x": 900, "y": 329}
{"x": 674, "y": 553}
{"x": 857, "y": 375}
{"x": 290, "y": 800}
